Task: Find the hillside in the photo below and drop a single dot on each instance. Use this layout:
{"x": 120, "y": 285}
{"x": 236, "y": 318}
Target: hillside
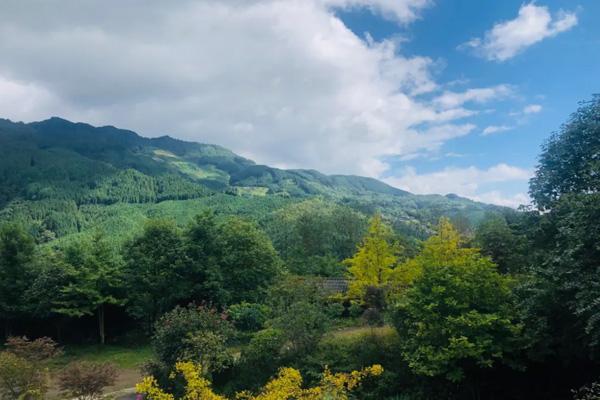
{"x": 61, "y": 178}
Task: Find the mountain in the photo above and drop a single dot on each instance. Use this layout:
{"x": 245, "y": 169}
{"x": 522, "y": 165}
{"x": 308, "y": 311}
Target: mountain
{"x": 62, "y": 178}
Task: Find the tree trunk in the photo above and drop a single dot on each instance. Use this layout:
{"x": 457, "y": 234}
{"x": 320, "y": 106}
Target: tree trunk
{"x": 101, "y": 324}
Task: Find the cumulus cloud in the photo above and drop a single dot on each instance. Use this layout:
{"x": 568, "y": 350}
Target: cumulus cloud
{"x": 468, "y": 182}
{"x": 532, "y": 109}
{"x": 532, "y": 25}
{"x": 489, "y": 130}
{"x": 403, "y": 11}
{"x": 477, "y": 95}
{"x": 283, "y": 82}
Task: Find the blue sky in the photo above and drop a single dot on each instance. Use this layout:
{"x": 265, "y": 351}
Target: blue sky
{"x": 430, "y": 96}
{"x": 555, "y": 73}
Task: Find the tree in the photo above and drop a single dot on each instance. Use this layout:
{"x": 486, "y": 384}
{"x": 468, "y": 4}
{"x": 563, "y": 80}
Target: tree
{"x": 496, "y": 239}
{"x": 84, "y": 380}
{"x": 569, "y": 161}
{"x": 203, "y": 252}
{"x": 94, "y": 281}
{"x": 562, "y": 294}
{"x": 375, "y": 259}
{"x": 154, "y": 272}
{"x": 195, "y": 333}
{"x": 458, "y": 314}
{"x": 248, "y": 263}
{"x": 16, "y": 254}
{"x": 229, "y": 261}
{"x": 298, "y": 312}
{"x": 313, "y": 236}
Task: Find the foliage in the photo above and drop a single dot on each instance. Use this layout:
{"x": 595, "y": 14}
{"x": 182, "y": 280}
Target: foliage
{"x": 313, "y": 236}
{"x": 16, "y": 254}
{"x": 21, "y": 379}
{"x": 286, "y": 385}
{"x": 248, "y": 316}
{"x": 23, "y": 368}
{"x": 375, "y": 259}
{"x": 299, "y": 312}
{"x": 588, "y": 392}
{"x": 569, "y": 161}
{"x": 39, "y": 350}
{"x": 248, "y": 262}
{"x": 459, "y": 313}
{"x": 86, "y": 380}
{"x": 194, "y": 333}
{"x": 154, "y": 265}
{"x": 94, "y": 281}
{"x": 498, "y": 241}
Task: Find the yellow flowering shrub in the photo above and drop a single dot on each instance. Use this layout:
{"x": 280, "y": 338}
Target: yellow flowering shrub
{"x": 287, "y": 385}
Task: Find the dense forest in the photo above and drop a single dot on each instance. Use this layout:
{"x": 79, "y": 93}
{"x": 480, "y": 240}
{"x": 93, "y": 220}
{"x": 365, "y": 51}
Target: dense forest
{"x": 252, "y": 282}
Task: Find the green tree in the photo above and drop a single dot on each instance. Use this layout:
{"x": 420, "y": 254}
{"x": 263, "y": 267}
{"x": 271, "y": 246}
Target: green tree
{"x": 313, "y": 236}
{"x": 16, "y": 254}
{"x": 560, "y": 299}
{"x": 375, "y": 259}
{"x": 459, "y": 312}
{"x": 193, "y": 333}
{"x": 248, "y": 262}
{"x": 228, "y": 261}
{"x": 154, "y": 271}
{"x": 94, "y": 281}
{"x": 496, "y": 239}
{"x": 298, "y": 312}
{"x": 569, "y": 161}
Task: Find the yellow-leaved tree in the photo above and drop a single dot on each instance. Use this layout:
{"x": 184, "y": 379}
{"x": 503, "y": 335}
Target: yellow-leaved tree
{"x": 375, "y": 259}
{"x": 287, "y": 385}
{"x": 443, "y": 248}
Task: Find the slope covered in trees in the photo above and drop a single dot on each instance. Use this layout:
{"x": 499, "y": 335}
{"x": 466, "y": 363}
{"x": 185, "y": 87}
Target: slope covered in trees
{"x": 60, "y": 178}
{"x": 243, "y": 297}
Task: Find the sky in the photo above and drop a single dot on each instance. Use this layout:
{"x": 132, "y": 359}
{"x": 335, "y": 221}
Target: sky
{"x": 430, "y": 96}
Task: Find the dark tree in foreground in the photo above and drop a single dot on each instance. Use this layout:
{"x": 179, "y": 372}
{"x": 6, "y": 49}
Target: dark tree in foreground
{"x": 570, "y": 160}
{"x": 16, "y": 253}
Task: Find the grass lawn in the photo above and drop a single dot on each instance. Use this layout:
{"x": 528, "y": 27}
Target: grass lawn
{"x": 128, "y": 360}
{"x": 124, "y": 357}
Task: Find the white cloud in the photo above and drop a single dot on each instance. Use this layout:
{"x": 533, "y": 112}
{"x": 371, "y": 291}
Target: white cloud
{"x": 468, "y": 182}
{"x": 478, "y": 95}
{"x": 532, "y": 109}
{"x": 284, "y": 82}
{"x": 489, "y": 130}
{"x": 402, "y": 11}
{"x": 509, "y": 38}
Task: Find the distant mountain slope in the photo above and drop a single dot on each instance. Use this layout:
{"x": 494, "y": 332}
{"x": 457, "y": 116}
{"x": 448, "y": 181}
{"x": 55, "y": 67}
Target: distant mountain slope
{"x": 60, "y": 178}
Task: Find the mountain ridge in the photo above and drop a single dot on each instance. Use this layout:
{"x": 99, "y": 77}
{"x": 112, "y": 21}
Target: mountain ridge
{"x": 47, "y": 164}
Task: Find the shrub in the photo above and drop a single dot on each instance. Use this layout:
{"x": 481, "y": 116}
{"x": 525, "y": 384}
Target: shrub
{"x": 38, "y": 350}
{"x": 20, "y": 378}
{"x": 23, "y": 371}
{"x": 86, "y": 380}
{"x": 588, "y": 392}
{"x": 194, "y": 333}
{"x": 286, "y": 385}
{"x": 248, "y": 317}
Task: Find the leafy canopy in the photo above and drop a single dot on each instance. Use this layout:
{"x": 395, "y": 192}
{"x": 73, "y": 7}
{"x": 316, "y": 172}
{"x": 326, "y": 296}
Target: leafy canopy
{"x": 375, "y": 259}
{"x": 458, "y": 313}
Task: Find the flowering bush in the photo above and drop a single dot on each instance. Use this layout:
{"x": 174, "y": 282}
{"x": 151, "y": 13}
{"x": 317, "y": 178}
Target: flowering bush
{"x": 287, "y": 385}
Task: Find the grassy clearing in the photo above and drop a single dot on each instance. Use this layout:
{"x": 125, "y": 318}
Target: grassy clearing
{"x": 122, "y": 356}
{"x": 358, "y": 331}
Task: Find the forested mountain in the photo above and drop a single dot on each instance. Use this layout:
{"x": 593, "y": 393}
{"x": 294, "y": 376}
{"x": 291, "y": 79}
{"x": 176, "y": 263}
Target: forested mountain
{"x": 61, "y": 178}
